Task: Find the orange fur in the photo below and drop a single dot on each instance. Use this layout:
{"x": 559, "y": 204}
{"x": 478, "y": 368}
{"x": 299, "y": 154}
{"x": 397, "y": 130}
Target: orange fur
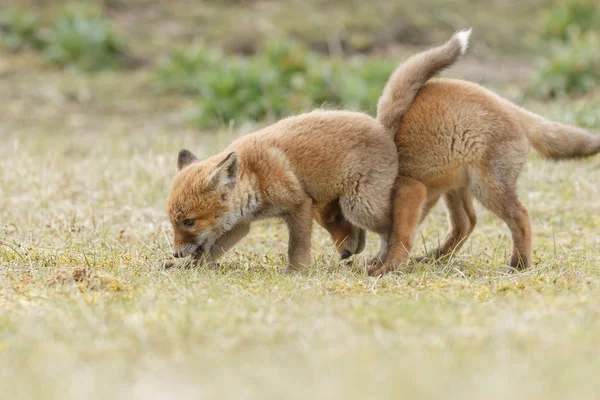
{"x": 459, "y": 141}
{"x": 283, "y": 171}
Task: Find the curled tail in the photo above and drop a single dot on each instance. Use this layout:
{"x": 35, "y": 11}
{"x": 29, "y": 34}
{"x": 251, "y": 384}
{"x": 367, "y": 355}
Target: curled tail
{"x": 558, "y": 141}
{"x": 406, "y": 81}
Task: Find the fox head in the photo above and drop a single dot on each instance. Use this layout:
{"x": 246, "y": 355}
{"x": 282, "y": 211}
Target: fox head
{"x": 199, "y": 205}
{"x": 348, "y": 239}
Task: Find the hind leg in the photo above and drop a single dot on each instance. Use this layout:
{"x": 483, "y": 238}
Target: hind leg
{"x": 517, "y": 219}
{"x": 429, "y": 203}
{"x": 367, "y": 195}
{"x": 506, "y": 204}
{"x": 370, "y": 209}
{"x": 378, "y": 260}
{"x": 408, "y": 202}
{"x": 462, "y": 220}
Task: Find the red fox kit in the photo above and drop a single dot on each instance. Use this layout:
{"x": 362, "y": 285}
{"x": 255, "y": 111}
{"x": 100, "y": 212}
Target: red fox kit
{"x": 294, "y": 166}
{"x": 283, "y": 171}
{"x": 458, "y": 141}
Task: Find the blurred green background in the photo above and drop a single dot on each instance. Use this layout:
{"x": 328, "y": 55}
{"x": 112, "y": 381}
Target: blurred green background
{"x": 210, "y": 64}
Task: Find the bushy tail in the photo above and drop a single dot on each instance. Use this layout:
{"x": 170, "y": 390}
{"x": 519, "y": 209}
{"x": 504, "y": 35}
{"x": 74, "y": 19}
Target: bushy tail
{"x": 558, "y": 141}
{"x": 406, "y": 81}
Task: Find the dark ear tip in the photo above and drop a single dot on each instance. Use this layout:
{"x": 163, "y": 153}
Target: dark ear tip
{"x": 185, "y": 157}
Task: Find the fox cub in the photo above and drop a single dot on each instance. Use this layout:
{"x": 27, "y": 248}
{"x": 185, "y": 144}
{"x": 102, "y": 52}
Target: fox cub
{"x": 459, "y": 141}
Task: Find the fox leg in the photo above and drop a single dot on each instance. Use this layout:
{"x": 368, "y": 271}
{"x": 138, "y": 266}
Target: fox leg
{"x": 379, "y": 258}
{"x": 299, "y": 223}
{"x": 505, "y": 203}
{"x": 462, "y": 220}
{"x": 408, "y": 202}
{"x": 516, "y": 217}
{"x": 369, "y": 207}
{"x": 429, "y": 203}
{"x": 228, "y": 240}
{"x": 383, "y": 249}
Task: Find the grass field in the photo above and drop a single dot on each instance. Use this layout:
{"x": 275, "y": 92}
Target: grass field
{"x": 87, "y": 311}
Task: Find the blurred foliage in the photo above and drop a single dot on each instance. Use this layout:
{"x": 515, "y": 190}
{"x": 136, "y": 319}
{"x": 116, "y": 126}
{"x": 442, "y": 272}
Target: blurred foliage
{"x": 284, "y": 77}
{"x": 570, "y": 16}
{"x": 573, "y": 68}
{"x": 589, "y": 116}
{"x": 75, "y": 38}
{"x": 332, "y": 59}
{"x": 19, "y": 29}
{"x": 81, "y": 40}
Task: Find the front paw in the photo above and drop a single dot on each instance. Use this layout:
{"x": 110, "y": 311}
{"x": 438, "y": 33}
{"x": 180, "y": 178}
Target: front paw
{"x": 293, "y": 269}
{"x": 430, "y": 257}
{"x": 374, "y": 262}
{"x": 377, "y": 271}
{"x": 187, "y": 262}
{"x": 423, "y": 259}
{"x": 402, "y": 267}
{"x": 369, "y": 262}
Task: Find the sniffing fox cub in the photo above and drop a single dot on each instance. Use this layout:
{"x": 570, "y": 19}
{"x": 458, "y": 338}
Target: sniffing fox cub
{"x": 459, "y": 141}
{"x": 282, "y": 171}
{"x": 293, "y": 166}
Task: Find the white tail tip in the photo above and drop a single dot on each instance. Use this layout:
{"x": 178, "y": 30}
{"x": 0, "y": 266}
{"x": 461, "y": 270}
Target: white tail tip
{"x": 463, "y": 38}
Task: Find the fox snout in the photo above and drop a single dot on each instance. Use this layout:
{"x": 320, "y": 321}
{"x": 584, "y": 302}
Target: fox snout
{"x": 188, "y": 249}
{"x": 195, "y": 254}
{"x": 184, "y": 244}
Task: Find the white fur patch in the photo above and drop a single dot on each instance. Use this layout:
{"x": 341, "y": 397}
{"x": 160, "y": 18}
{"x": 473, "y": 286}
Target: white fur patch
{"x": 463, "y": 38}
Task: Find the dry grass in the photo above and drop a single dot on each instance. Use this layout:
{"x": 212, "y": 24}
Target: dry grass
{"x": 86, "y": 311}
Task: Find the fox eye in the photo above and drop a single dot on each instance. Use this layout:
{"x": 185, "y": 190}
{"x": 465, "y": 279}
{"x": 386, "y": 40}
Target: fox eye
{"x": 188, "y": 223}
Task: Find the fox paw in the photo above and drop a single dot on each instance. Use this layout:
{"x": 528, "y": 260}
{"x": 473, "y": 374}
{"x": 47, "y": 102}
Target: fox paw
{"x": 432, "y": 256}
{"x": 180, "y": 263}
{"x": 377, "y": 271}
{"x": 374, "y": 262}
{"x": 289, "y": 270}
{"x": 293, "y": 269}
{"x": 423, "y": 259}
{"x": 402, "y": 267}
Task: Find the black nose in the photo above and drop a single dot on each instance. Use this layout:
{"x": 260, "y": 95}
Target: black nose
{"x": 176, "y": 254}
{"x": 346, "y": 254}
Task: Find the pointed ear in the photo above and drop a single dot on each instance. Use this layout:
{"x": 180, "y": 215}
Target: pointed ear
{"x": 185, "y": 158}
{"x": 225, "y": 173}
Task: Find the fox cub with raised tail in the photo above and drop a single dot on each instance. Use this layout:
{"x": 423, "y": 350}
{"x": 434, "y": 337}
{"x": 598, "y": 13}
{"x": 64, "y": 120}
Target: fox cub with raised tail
{"x": 459, "y": 141}
{"x": 293, "y": 167}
